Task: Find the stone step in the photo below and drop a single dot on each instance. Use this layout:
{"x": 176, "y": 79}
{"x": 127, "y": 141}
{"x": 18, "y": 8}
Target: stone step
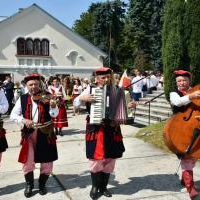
{"x": 154, "y": 95}
{"x": 144, "y": 121}
{"x": 155, "y": 105}
{"x": 159, "y": 91}
{"x": 154, "y": 111}
{"x": 160, "y": 109}
{"x": 161, "y": 100}
{"x": 158, "y": 117}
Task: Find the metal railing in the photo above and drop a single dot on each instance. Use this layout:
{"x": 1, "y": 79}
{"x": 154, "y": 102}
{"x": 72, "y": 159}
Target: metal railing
{"x": 149, "y": 102}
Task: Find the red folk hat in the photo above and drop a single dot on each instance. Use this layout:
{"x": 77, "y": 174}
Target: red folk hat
{"x": 102, "y": 71}
{"x": 182, "y": 73}
{"x": 32, "y": 77}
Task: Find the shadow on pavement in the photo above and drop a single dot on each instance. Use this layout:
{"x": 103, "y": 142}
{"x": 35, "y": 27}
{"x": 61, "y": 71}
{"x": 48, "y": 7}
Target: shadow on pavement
{"x": 51, "y": 187}
{"x": 157, "y": 182}
{"x": 72, "y": 132}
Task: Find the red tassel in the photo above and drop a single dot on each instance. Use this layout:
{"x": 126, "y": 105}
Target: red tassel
{"x": 92, "y": 137}
{"x": 87, "y": 137}
{"x": 24, "y": 152}
{"x": 2, "y": 133}
{"x": 99, "y": 151}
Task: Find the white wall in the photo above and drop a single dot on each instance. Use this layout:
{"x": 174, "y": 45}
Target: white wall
{"x": 63, "y": 44}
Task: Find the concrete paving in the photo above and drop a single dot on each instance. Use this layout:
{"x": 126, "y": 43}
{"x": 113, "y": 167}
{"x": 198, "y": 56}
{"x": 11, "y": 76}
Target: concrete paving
{"x": 144, "y": 172}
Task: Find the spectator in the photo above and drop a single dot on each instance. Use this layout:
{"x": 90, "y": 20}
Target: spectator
{"x": 137, "y": 85}
{"x": 116, "y": 79}
{"x": 9, "y": 92}
{"x": 152, "y": 82}
{"x": 77, "y": 90}
{"x": 160, "y": 79}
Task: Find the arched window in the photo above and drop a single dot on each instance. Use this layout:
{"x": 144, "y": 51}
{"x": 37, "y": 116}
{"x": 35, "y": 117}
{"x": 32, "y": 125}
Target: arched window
{"x": 29, "y": 46}
{"x": 45, "y": 47}
{"x": 20, "y": 46}
{"x": 37, "y": 47}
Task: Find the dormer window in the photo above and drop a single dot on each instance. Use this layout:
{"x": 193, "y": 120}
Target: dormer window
{"x": 36, "y": 47}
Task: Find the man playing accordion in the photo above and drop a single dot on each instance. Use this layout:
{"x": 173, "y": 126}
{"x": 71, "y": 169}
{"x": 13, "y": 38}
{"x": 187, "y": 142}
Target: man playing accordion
{"x": 104, "y": 142}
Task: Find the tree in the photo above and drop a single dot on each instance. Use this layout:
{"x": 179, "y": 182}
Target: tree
{"x": 84, "y": 26}
{"x": 192, "y": 29}
{"x": 109, "y": 23}
{"x": 156, "y": 33}
{"x": 102, "y": 25}
{"x": 144, "y": 32}
{"x": 174, "y": 50}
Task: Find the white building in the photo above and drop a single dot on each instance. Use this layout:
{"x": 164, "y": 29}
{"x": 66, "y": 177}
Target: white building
{"x": 32, "y": 40}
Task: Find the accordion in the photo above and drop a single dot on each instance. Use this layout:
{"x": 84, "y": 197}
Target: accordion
{"x": 110, "y": 103}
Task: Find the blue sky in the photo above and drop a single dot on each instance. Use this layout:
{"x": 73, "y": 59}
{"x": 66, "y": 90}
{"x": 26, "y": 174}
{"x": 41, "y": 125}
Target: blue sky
{"x": 66, "y": 11}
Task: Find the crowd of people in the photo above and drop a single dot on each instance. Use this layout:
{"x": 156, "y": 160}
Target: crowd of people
{"x": 145, "y": 83}
{"x": 141, "y": 84}
{"x": 40, "y": 105}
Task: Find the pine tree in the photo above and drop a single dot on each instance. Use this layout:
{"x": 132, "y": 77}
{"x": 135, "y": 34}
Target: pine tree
{"x": 109, "y": 22}
{"x": 174, "y": 51}
{"x": 192, "y": 28}
{"x": 102, "y": 25}
{"x": 144, "y": 33}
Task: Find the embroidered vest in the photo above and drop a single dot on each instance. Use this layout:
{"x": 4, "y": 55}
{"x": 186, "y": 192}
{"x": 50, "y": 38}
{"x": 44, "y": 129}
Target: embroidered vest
{"x": 43, "y": 112}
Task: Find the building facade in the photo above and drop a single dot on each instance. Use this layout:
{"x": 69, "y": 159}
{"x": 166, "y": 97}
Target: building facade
{"x": 34, "y": 41}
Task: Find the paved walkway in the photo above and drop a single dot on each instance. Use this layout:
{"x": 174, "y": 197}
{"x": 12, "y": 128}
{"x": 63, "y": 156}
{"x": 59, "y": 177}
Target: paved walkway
{"x": 144, "y": 172}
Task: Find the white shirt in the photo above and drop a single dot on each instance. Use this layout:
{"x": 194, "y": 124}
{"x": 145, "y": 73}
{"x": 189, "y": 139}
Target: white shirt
{"x": 3, "y": 102}
{"x": 16, "y": 114}
{"x": 152, "y": 81}
{"x": 137, "y": 87}
{"x": 77, "y": 89}
{"x": 176, "y": 100}
{"x": 57, "y": 90}
{"x": 77, "y": 102}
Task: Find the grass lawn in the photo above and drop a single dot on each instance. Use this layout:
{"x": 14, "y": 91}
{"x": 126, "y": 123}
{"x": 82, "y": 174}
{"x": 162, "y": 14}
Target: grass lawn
{"x": 153, "y": 134}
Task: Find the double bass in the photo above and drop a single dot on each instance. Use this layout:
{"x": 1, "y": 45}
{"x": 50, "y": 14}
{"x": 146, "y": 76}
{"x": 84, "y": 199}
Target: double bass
{"x": 179, "y": 129}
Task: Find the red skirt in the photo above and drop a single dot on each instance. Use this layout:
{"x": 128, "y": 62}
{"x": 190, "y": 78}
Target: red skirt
{"x": 61, "y": 120}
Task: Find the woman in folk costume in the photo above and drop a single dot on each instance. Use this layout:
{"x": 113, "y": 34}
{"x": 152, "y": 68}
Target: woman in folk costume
{"x": 38, "y": 139}
{"x": 77, "y": 89}
{"x": 58, "y": 91}
{"x": 179, "y": 100}
{"x": 104, "y": 142}
{"x": 3, "y": 109}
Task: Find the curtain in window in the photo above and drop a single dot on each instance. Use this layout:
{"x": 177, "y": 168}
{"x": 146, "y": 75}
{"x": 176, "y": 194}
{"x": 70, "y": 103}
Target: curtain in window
{"x": 45, "y": 47}
{"x": 37, "y": 47}
{"x": 20, "y": 46}
{"x": 29, "y": 46}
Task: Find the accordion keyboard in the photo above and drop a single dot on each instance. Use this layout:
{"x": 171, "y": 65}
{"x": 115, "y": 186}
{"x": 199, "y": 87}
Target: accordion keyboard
{"x": 97, "y": 107}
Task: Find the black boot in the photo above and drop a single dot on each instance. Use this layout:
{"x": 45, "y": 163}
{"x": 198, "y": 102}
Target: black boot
{"x": 29, "y": 185}
{"x": 42, "y": 182}
{"x": 104, "y": 183}
{"x": 96, "y": 180}
{"x": 60, "y": 132}
{"x": 56, "y": 130}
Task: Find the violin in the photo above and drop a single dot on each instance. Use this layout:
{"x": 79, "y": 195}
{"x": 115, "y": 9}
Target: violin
{"x": 47, "y": 98}
{"x": 42, "y": 97}
{"x": 179, "y": 129}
